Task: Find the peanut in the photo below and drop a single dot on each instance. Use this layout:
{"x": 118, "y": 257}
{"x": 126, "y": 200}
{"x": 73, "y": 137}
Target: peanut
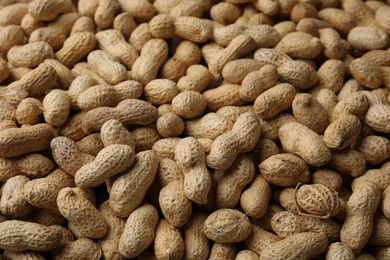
{"x": 209, "y": 126}
{"x": 168, "y": 241}
{"x": 44, "y": 10}
{"x": 259, "y": 239}
{"x": 30, "y": 55}
{"x": 80, "y": 248}
{"x": 103, "y": 64}
{"x": 339, "y": 251}
{"x": 261, "y": 191}
{"x": 375, "y": 149}
{"x": 13, "y": 203}
{"x": 139, "y": 231}
{"x": 196, "y": 245}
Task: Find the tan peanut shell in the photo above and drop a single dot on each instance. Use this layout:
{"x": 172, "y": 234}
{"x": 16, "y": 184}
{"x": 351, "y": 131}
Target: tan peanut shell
{"x": 190, "y": 156}
{"x": 285, "y": 170}
{"x": 328, "y": 178}
{"x": 339, "y": 251}
{"x": 170, "y": 125}
{"x": 86, "y": 221}
{"x": 113, "y": 132}
{"x": 30, "y": 55}
{"x": 129, "y": 189}
{"x": 209, "y": 126}
{"x": 196, "y": 244}
{"x": 286, "y": 224}
{"x": 160, "y": 91}
{"x": 225, "y": 251}
{"x": 361, "y": 206}
{"x": 242, "y": 138}
{"x": 254, "y": 200}
{"x": 298, "y": 139}
{"x": 56, "y": 107}
{"x": 236, "y": 70}
{"x": 233, "y": 181}
{"x": 19, "y": 235}
{"x": 80, "y": 248}
{"x": 189, "y": 104}
{"x": 168, "y": 171}
{"x": 259, "y": 239}
{"x": 104, "y": 64}
{"x": 305, "y": 245}
{"x": 12, "y": 203}
{"x": 110, "y": 161}
{"x": 343, "y": 132}
{"x": 128, "y": 111}
{"x": 139, "y": 231}
{"x": 224, "y": 95}
{"x": 300, "y": 45}
{"x": 375, "y": 149}
{"x": 29, "y": 111}
{"x": 377, "y": 118}
{"x": 168, "y": 242}
{"x": 227, "y": 226}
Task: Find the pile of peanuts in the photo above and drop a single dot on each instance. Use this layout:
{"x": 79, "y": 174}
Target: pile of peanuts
{"x": 194, "y": 129}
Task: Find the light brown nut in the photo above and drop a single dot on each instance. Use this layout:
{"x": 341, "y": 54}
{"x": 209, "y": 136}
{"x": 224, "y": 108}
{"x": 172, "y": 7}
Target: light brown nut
{"x": 375, "y": 149}
{"x": 67, "y": 155}
{"x": 140, "y": 36}
{"x": 308, "y": 111}
{"x": 247, "y": 254}
{"x": 317, "y": 200}
{"x": 264, "y": 35}
{"x": 306, "y": 245}
{"x": 160, "y": 91}
{"x": 42, "y": 192}
{"x": 331, "y": 75}
{"x": 385, "y": 202}
{"x": 225, "y": 13}
{"x": 165, "y": 148}
{"x": 153, "y": 55}
{"x": 108, "y": 96}
{"x": 311, "y": 26}
{"x": 274, "y": 100}
{"x": 168, "y": 171}
{"x": 56, "y": 107}
{"x": 103, "y": 64}
{"x": 162, "y": 26}
{"x": 31, "y": 165}
{"x": 303, "y": 10}
{"x": 356, "y": 104}
{"x": 348, "y": 88}
{"x": 64, "y": 75}
{"x": 361, "y": 206}
{"x": 348, "y": 161}
{"x": 298, "y": 73}
{"x": 233, "y": 182}
{"x": 223, "y": 251}
{"x": 224, "y": 95}
{"x": 193, "y": 29}
{"x": 189, "y": 104}
{"x": 83, "y": 68}
{"x": 109, "y": 243}
{"x": 382, "y": 18}
{"x": 29, "y": 111}
{"x": 91, "y": 144}
{"x": 83, "y": 24}
{"x": 285, "y": 27}
{"x": 44, "y": 10}
{"x": 179, "y": 212}
{"x": 29, "y": 24}
{"x": 339, "y": 251}
{"x": 7, "y": 111}
{"x": 19, "y": 235}
{"x": 10, "y": 36}
{"x": 73, "y": 127}
{"x": 259, "y": 239}
{"x": 196, "y": 244}
{"x": 80, "y": 248}
{"x": 30, "y": 55}
{"x": 257, "y": 82}
{"x": 300, "y": 140}
{"x": 379, "y": 235}
{"x": 285, "y": 170}
{"x": 113, "y": 132}
{"x": 145, "y": 137}
{"x": 265, "y": 148}
{"x": 105, "y": 13}
{"x": 368, "y": 38}
{"x": 128, "y": 112}
{"x": 125, "y": 196}
{"x": 13, "y": 13}
{"x": 367, "y": 73}
{"x": 190, "y": 156}
{"x": 141, "y": 10}
{"x": 300, "y": 45}
{"x": 233, "y": 112}
{"x": 236, "y": 70}
{"x": 254, "y": 200}
{"x": 18, "y": 141}
{"x": 124, "y": 23}
{"x": 209, "y": 126}
{"x": 223, "y": 35}
{"x": 227, "y": 226}
{"x": 170, "y": 125}
{"x": 113, "y": 42}
{"x": 339, "y": 19}
{"x": 110, "y": 161}
{"x": 84, "y": 220}
{"x": 328, "y": 178}
{"x": 168, "y": 241}
{"x": 186, "y": 54}
{"x": 286, "y": 224}
{"x": 333, "y": 45}
{"x": 13, "y": 204}
{"x": 78, "y": 86}
{"x": 378, "y": 118}
{"x": 75, "y": 48}
{"x": 197, "y": 78}
{"x": 56, "y": 32}
{"x": 237, "y": 48}
{"x": 139, "y": 231}
{"x": 242, "y": 138}
{"x": 342, "y": 132}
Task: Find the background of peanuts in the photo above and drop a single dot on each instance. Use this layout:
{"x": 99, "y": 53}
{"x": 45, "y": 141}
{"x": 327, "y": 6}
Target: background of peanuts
{"x": 195, "y": 129}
